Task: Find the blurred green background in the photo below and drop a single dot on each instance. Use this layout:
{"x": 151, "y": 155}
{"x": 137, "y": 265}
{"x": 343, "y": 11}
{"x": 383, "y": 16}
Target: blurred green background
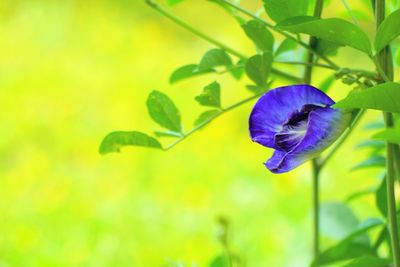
{"x": 71, "y": 72}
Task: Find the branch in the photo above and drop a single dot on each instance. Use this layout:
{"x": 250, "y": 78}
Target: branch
{"x": 209, "y": 39}
{"x": 223, "y": 111}
{"x": 306, "y": 64}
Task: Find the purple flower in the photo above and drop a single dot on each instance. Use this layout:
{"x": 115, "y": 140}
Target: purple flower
{"x": 298, "y": 122}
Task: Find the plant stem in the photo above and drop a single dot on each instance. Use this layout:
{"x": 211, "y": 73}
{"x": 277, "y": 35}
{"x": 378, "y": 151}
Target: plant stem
{"x": 314, "y": 163}
{"x": 286, "y": 76}
{"x": 315, "y": 200}
{"x": 306, "y": 46}
{"x": 306, "y": 64}
{"x": 207, "y": 38}
{"x": 346, "y": 5}
{"x": 391, "y": 201}
{"x": 380, "y": 69}
{"x": 396, "y": 152}
{"x": 189, "y": 133}
{"x": 386, "y": 69}
{"x": 191, "y": 29}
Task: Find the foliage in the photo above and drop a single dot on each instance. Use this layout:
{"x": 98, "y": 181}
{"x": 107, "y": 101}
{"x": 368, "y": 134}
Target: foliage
{"x": 372, "y": 90}
{"x": 74, "y": 71}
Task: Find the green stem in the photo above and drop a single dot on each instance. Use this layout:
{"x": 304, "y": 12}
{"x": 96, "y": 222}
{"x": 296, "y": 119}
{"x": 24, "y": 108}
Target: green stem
{"x": 346, "y": 5}
{"x": 282, "y": 74}
{"x": 391, "y": 202}
{"x": 223, "y": 111}
{"x": 380, "y": 69}
{"x": 306, "y": 46}
{"x": 207, "y": 38}
{"x": 396, "y": 152}
{"x": 286, "y": 76}
{"x": 315, "y": 200}
{"x": 306, "y": 64}
{"x": 314, "y": 163}
{"x": 386, "y": 71}
{"x": 191, "y": 29}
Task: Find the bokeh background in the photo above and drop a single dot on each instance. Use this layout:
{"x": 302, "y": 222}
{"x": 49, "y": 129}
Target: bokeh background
{"x": 73, "y": 71}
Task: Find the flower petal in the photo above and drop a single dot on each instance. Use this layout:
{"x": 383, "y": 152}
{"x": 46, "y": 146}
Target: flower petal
{"x": 291, "y": 135}
{"x": 325, "y": 125}
{"x": 275, "y": 107}
{"x": 274, "y": 163}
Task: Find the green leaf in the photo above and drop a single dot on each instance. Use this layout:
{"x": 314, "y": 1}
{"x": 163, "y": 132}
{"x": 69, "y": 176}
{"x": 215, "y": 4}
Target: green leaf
{"x": 368, "y": 261}
{"x": 230, "y": 260}
{"x": 391, "y": 135}
{"x": 279, "y": 10}
{"x": 220, "y": 261}
{"x": 237, "y": 73}
{"x": 359, "y": 194}
{"x": 256, "y": 89}
{"x": 214, "y": 58}
{"x": 387, "y": 31}
{"x": 260, "y": 35}
{"x": 374, "y": 161}
{"x": 187, "y": 71}
{"x": 381, "y": 197}
{"x": 327, "y": 83}
{"x": 206, "y": 116}
{"x": 163, "y": 111}
{"x": 211, "y": 96}
{"x": 286, "y": 46}
{"x": 375, "y": 144}
{"x": 114, "y": 141}
{"x": 351, "y": 246}
{"x": 383, "y": 97}
{"x": 374, "y": 125}
{"x": 343, "y": 251}
{"x": 327, "y": 48}
{"x": 258, "y": 68}
{"x": 237, "y": 70}
{"x": 337, "y": 220}
{"x": 338, "y": 31}
{"x": 363, "y": 227}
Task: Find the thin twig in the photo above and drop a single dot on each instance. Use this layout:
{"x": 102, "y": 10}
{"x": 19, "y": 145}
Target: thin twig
{"x": 209, "y": 39}
{"x": 346, "y": 5}
{"x": 306, "y": 64}
{"x": 223, "y": 111}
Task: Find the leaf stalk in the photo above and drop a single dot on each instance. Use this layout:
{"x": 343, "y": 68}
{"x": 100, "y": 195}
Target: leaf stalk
{"x": 223, "y": 111}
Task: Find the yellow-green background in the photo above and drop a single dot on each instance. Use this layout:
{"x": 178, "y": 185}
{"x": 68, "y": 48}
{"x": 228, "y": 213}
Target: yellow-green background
{"x": 72, "y": 71}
